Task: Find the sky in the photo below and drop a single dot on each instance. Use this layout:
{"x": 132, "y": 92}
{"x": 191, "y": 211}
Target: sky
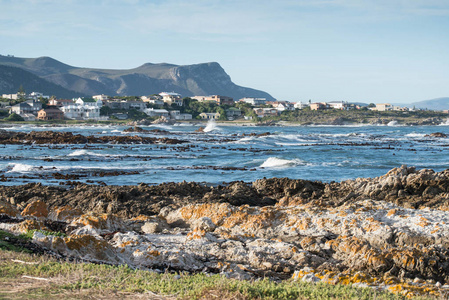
{"x": 324, "y": 50}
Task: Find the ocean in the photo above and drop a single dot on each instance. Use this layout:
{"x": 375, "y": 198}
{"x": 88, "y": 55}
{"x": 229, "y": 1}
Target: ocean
{"x": 226, "y": 153}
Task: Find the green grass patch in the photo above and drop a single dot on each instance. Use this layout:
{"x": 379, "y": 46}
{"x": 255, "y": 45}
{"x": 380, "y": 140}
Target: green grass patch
{"x": 12, "y": 242}
{"x": 73, "y": 280}
{"x": 30, "y": 233}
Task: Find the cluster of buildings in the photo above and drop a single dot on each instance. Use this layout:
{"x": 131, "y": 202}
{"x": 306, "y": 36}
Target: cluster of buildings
{"x": 59, "y": 109}
{"x": 155, "y": 106}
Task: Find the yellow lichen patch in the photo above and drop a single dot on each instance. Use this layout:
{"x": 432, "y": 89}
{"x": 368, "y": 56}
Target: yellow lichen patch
{"x": 141, "y": 218}
{"x": 307, "y": 242}
{"x": 154, "y": 253}
{"x": 437, "y": 228}
{"x": 128, "y": 243}
{"x": 79, "y": 242}
{"x": 304, "y": 223}
{"x": 392, "y": 212}
{"x": 36, "y": 209}
{"x": 64, "y": 213}
{"x": 374, "y": 225}
{"x": 217, "y": 212}
{"x": 196, "y": 234}
{"x": 393, "y": 284}
{"x": 342, "y": 213}
{"x": 100, "y": 221}
{"x": 7, "y": 209}
{"x": 28, "y": 225}
{"x": 423, "y": 222}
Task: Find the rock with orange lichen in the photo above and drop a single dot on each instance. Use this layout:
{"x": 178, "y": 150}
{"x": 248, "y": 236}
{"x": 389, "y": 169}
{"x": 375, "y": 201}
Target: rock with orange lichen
{"x": 27, "y": 225}
{"x": 64, "y": 213}
{"x": 37, "y": 209}
{"x": 86, "y": 247}
{"x": 7, "y": 209}
{"x": 99, "y": 222}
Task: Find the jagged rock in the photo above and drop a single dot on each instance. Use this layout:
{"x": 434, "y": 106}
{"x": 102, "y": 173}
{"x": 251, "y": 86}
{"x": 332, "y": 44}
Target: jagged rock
{"x": 336, "y": 232}
{"x": 8, "y": 209}
{"x": 36, "y": 209}
{"x": 437, "y": 134}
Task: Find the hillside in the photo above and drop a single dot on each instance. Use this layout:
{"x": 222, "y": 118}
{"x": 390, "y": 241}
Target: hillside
{"x": 433, "y": 104}
{"x": 11, "y": 78}
{"x": 189, "y": 80}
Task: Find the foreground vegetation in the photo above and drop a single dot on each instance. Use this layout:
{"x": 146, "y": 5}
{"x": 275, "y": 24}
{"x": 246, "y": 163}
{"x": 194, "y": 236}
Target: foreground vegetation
{"x": 24, "y": 275}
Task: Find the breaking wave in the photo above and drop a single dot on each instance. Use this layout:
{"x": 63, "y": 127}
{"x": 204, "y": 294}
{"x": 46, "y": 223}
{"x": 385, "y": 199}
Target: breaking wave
{"x": 274, "y": 162}
{"x": 21, "y": 168}
{"x": 211, "y": 126}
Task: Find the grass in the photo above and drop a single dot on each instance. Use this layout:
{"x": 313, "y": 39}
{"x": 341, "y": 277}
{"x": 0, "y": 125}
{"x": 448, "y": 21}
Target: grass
{"x": 12, "y": 242}
{"x": 49, "y": 278}
{"x": 25, "y": 275}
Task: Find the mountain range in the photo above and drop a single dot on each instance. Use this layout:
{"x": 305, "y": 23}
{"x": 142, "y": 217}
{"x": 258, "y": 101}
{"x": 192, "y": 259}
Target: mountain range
{"x": 432, "y": 104}
{"x": 53, "y": 77}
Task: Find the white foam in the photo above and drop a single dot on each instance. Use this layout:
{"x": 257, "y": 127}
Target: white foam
{"x": 393, "y": 123}
{"x": 415, "y": 135}
{"x": 445, "y": 123}
{"x": 274, "y": 162}
{"x": 211, "y": 126}
{"x": 21, "y": 168}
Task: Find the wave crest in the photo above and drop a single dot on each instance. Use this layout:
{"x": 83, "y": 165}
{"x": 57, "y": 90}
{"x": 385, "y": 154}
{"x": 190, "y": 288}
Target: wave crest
{"x": 274, "y": 162}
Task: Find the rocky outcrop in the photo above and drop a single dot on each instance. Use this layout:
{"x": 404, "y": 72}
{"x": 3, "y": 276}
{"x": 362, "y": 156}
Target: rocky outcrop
{"x": 53, "y": 137}
{"x": 389, "y": 232}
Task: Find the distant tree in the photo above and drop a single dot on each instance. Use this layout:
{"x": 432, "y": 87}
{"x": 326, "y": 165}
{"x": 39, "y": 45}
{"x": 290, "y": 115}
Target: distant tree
{"x": 14, "y": 117}
{"x": 21, "y": 92}
{"x": 222, "y": 113}
{"x": 44, "y": 102}
{"x": 371, "y": 105}
{"x": 105, "y": 111}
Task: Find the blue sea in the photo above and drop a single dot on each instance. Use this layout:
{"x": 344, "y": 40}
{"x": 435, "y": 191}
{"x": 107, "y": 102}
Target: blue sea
{"x": 227, "y": 153}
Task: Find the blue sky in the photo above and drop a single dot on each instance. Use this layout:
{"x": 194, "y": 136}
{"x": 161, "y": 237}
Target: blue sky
{"x": 354, "y": 50}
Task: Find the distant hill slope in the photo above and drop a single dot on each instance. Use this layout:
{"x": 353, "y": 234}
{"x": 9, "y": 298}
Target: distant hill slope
{"x": 190, "y": 80}
{"x": 433, "y": 104}
{"x": 11, "y": 78}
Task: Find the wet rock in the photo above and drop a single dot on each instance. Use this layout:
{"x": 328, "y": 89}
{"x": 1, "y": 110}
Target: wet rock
{"x": 437, "y": 135}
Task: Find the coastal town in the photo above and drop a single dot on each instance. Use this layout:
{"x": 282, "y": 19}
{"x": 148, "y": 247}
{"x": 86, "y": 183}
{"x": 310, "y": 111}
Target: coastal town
{"x": 163, "y": 107}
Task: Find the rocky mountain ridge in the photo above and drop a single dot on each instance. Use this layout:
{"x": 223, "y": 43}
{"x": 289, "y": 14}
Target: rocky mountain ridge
{"x": 188, "y": 80}
{"x": 11, "y": 78}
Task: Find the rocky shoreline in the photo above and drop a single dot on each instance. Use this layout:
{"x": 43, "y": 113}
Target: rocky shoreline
{"x": 53, "y": 137}
{"x": 390, "y": 232}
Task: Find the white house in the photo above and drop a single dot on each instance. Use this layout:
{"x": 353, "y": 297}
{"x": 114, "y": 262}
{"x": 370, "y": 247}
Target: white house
{"x": 88, "y": 102}
{"x": 282, "y": 105}
{"x": 300, "y": 105}
{"x": 11, "y": 96}
{"x": 254, "y": 101}
{"x": 60, "y": 102}
{"x": 209, "y": 116}
{"x": 383, "y": 107}
{"x": 82, "y": 112}
{"x": 342, "y": 105}
{"x": 177, "y": 115}
{"x": 37, "y": 95}
{"x": 156, "y": 112}
{"x": 171, "y": 98}
{"x": 264, "y": 112}
{"x": 101, "y": 97}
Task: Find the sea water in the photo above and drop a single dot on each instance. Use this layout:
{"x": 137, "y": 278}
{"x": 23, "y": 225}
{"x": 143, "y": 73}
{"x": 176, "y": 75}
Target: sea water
{"x": 227, "y": 153}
